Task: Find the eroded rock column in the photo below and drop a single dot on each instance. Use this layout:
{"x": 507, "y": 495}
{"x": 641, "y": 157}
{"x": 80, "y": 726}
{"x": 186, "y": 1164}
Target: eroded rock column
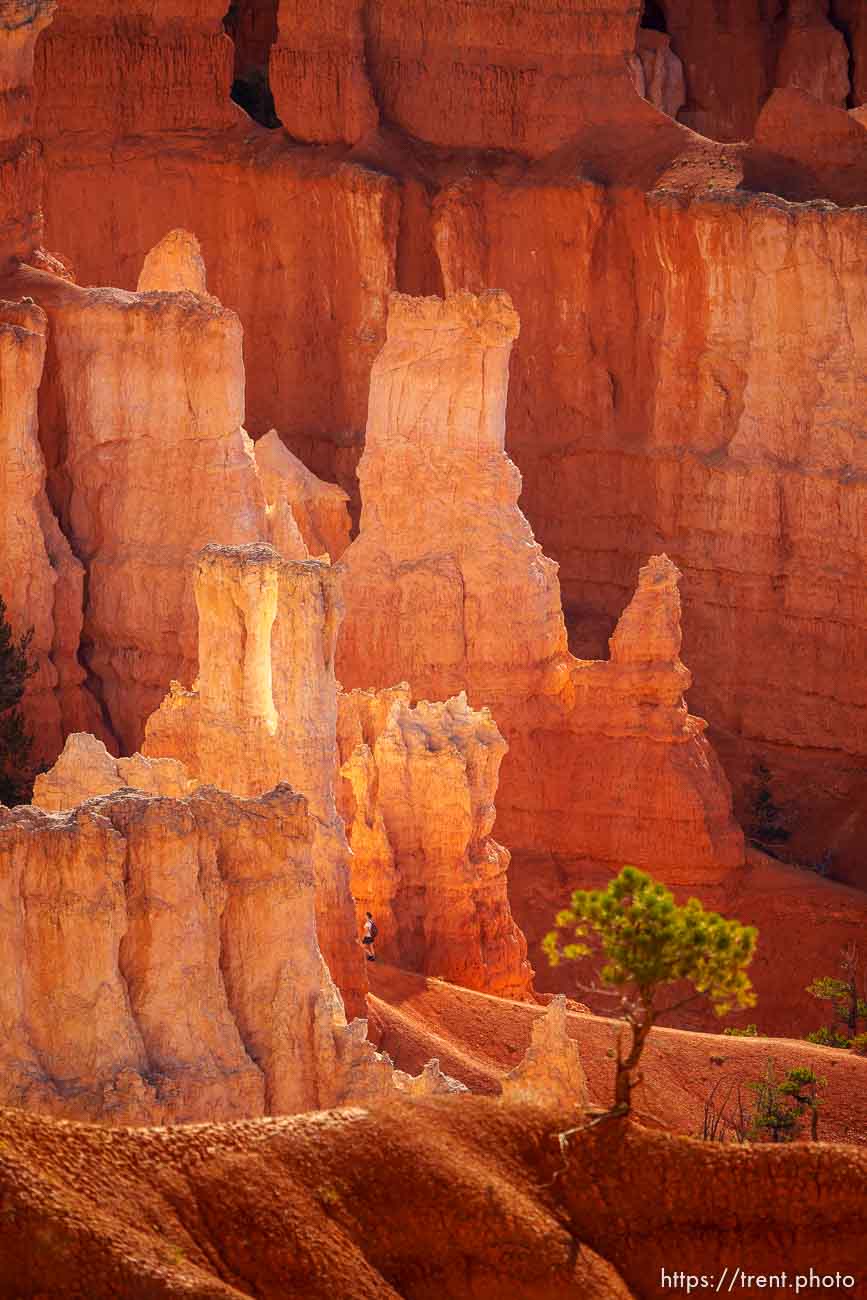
{"x": 418, "y": 800}
{"x": 446, "y": 588}
{"x": 265, "y": 710}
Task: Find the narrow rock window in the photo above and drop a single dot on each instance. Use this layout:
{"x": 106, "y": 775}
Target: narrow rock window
{"x": 252, "y": 25}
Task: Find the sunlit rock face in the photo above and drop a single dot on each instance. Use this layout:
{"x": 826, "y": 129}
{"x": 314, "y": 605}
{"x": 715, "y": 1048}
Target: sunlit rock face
{"x": 41, "y": 581}
{"x": 264, "y": 710}
{"x": 604, "y": 759}
{"x": 418, "y": 796}
{"x": 550, "y": 1073}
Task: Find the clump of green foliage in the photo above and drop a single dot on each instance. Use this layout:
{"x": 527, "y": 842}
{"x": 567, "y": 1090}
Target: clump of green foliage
{"x": 783, "y": 1106}
{"x": 766, "y": 828}
{"x": 848, "y": 1006}
{"x": 650, "y": 944}
{"x": 15, "y": 741}
{"x": 748, "y": 1031}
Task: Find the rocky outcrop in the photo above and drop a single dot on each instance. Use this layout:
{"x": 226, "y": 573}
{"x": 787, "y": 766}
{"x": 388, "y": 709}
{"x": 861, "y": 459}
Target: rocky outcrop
{"x": 806, "y": 150}
{"x": 551, "y": 1073}
{"x": 813, "y": 55}
{"x": 141, "y": 414}
{"x": 604, "y": 759}
{"x": 300, "y": 504}
{"x": 670, "y": 418}
{"x": 658, "y": 72}
{"x": 318, "y": 72}
{"x": 163, "y": 903}
{"x": 418, "y": 801}
{"x": 264, "y": 710}
{"x": 166, "y": 965}
{"x": 40, "y": 579}
{"x": 174, "y": 265}
{"x": 86, "y": 769}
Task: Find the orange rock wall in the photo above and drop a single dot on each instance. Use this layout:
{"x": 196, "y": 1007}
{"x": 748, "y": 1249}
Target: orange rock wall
{"x": 140, "y": 418}
{"x": 21, "y": 22}
{"x": 702, "y": 403}
{"x": 132, "y": 68}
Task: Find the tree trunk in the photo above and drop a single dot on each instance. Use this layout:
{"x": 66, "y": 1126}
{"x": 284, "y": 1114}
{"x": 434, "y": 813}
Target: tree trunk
{"x": 625, "y": 1079}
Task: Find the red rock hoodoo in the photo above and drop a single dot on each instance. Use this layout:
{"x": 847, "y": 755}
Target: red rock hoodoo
{"x": 395, "y": 397}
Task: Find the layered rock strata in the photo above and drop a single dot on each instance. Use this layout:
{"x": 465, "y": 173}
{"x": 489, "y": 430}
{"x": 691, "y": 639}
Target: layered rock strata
{"x": 604, "y": 759}
{"x": 419, "y": 786}
{"x": 120, "y": 67}
{"x": 40, "y": 579}
{"x": 670, "y": 415}
{"x": 21, "y": 23}
{"x": 264, "y": 710}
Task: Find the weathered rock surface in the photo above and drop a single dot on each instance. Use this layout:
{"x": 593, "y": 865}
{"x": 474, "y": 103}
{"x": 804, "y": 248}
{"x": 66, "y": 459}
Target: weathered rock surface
{"x": 805, "y": 150}
{"x": 21, "y": 23}
{"x": 165, "y": 965}
{"x": 658, "y": 72}
{"x": 265, "y": 711}
{"x": 418, "y": 801}
{"x": 604, "y": 759}
{"x": 40, "y": 579}
{"x": 117, "y": 67}
{"x": 319, "y": 511}
{"x": 141, "y": 415}
{"x": 174, "y": 265}
{"x": 86, "y": 769}
{"x": 670, "y": 416}
{"x": 551, "y": 1073}
{"x": 477, "y": 1190}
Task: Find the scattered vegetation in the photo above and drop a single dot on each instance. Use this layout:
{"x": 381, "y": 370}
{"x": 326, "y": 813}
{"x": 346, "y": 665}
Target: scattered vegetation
{"x": 781, "y": 1110}
{"x": 783, "y": 1106}
{"x": 766, "y": 828}
{"x": 653, "y": 947}
{"x": 748, "y": 1031}
{"x": 15, "y": 741}
{"x": 848, "y": 1006}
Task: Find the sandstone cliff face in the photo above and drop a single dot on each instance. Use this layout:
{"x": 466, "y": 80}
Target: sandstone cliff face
{"x": 735, "y": 55}
{"x": 151, "y": 65}
{"x": 301, "y": 506}
{"x": 21, "y": 22}
{"x": 40, "y": 579}
{"x": 418, "y": 801}
{"x": 604, "y": 759}
{"x": 128, "y": 909}
{"x": 672, "y": 393}
{"x": 265, "y": 710}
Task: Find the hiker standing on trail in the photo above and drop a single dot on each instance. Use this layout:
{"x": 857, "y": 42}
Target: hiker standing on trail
{"x": 370, "y": 932}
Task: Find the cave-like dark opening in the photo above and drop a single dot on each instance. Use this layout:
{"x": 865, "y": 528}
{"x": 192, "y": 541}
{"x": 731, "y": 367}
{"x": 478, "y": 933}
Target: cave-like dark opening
{"x": 653, "y": 16}
{"x": 252, "y": 25}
